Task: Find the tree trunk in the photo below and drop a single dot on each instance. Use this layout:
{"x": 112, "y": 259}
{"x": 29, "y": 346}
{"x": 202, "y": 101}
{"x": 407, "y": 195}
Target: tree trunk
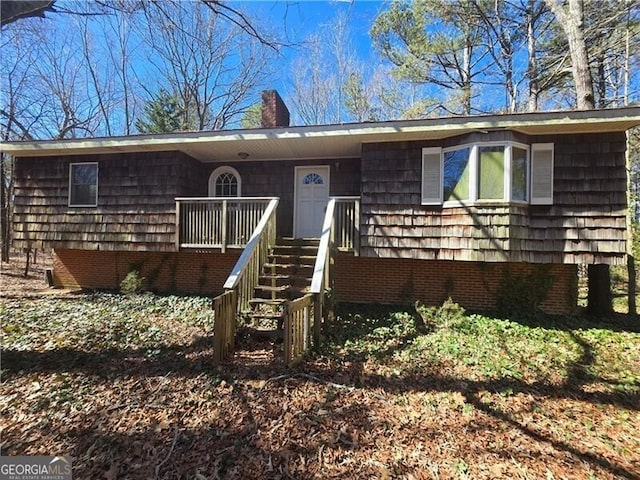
{"x": 599, "y": 296}
{"x": 631, "y": 287}
{"x": 631, "y": 266}
{"x": 532, "y": 65}
{"x": 572, "y": 23}
{"x": 571, "y": 20}
{"x": 466, "y": 80}
{"x": 27, "y": 263}
{"x": 627, "y": 55}
{"x": 5, "y": 211}
{"x": 511, "y": 89}
{"x": 601, "y": 84}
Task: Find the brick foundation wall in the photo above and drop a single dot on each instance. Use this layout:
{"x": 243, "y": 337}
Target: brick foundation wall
{"x": 474, "y": 285}
{"x": 181, "y": 272}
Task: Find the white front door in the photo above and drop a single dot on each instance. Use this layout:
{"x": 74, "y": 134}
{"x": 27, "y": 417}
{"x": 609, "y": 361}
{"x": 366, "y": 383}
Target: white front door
{"x": 311, "y": 198}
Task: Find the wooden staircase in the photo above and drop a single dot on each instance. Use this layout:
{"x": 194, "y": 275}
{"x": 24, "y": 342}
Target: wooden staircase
{"x": 285, "y": 276}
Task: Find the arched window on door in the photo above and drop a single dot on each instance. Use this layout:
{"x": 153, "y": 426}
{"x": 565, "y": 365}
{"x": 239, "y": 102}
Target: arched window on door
{"x": 225, "y": 182}
{"x": 312, "y": 179}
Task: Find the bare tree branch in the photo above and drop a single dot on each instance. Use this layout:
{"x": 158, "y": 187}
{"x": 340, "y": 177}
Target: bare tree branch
{"x": 12, "y": 11}
{"x": 240, "y": 20}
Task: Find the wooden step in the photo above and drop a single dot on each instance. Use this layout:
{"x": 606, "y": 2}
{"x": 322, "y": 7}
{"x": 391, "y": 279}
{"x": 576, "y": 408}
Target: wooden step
{"x": 273, "y": 334}
{"x": 283, "y": 279}
{"x": 267, "y": 315}
{"x": 268, "y": 301}
{"x": 291, "y": 293}
{"x": 272, "y": 289}
{"x": 312, "y": 242}
{"x": 295, "y": 250}
{"x": 292, "y": 259}
{"x": 288, "y": 269}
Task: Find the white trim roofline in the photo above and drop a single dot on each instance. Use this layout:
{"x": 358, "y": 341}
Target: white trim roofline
{"x": 340, "y": 140}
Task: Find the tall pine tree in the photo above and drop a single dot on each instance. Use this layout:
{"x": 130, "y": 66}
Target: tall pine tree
{"x": 162, "y": 114}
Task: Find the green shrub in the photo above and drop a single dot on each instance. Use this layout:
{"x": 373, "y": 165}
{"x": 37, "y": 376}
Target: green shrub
{"x": 519, "y": 296}
{"x": 132, "y": 283}
{"x": 449, "y": 315}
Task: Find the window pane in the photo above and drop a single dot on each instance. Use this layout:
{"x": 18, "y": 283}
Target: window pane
{"x": 84, "y": 185}
{"x": 456, "y": 175}
{"x": 491, "y": 173}
{"x": 84, "y": 174}
{"x": 226, "y": 185}
{"x": 519, "y": 174}
{"x": 81, "y": 195}
{"x": 312, "y": 179}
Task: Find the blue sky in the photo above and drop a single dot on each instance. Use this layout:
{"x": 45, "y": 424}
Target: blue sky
{"x": 299, "y": 19}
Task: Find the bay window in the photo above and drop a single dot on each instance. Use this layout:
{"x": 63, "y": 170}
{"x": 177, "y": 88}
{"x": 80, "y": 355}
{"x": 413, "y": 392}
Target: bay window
{"x": 487, "y": 172}
{"x": 456, "y": 174}
{"x": 491, "y": 170}
{"x": 519, "y": 171}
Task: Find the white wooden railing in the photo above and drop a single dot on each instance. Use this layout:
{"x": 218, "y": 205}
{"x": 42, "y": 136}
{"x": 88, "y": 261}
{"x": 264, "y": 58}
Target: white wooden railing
{"x": 245, "y": 273}
{"x": 321, "y": 270}
{"x": 222, "y": 223}
{"x": 346, "y": 228}
{"x": 322, "y": 265}
{"x": 340, "y": 231}
{"x": 297, "y": 327}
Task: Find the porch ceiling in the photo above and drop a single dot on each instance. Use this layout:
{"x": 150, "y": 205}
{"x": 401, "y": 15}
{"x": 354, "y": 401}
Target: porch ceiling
{"x": 330, "y": 141}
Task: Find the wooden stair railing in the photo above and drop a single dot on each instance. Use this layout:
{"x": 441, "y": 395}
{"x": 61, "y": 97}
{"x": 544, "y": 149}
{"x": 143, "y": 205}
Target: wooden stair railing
{"x": 224, "y": 327}
{"x": 244, "y": 275}
{"x": 297, "y": 327}
{"x": 242, "y": 280}
{"x": 297, "y": 322}
{"x": 302, "y": 316}
{"x": 340, "y": 230}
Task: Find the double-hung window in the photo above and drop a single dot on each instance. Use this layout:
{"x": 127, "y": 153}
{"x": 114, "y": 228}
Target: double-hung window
{"x": 83, "y": 184}
{"x": 487, "y": 172}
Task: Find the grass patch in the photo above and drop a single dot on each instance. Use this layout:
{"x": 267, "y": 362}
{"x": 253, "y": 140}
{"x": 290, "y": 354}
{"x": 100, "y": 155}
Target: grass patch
{"x": 452, "y": 343}
{"x": 100, "y": 321}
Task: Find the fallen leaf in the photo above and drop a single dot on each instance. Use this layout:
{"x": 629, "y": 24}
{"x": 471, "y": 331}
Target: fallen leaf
{"x": 112, "y": 473}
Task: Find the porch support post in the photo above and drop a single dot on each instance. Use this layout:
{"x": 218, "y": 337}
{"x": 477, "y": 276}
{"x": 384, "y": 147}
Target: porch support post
{"x": 178, "y": 226}
{"x": 223, "y": 248}
{"x": 356, "y": 229}
{"x": 317, "y": 318}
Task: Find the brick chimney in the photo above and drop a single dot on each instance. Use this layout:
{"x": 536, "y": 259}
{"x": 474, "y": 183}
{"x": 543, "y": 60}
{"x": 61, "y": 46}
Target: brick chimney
{"x": 274, "y": 112}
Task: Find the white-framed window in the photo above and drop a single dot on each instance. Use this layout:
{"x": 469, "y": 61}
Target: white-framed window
{"x": 83, "y": 184}
{"x": 487, "y": 172}
{"x": 225, "y": 182}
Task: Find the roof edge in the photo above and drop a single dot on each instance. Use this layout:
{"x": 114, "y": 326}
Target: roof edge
{"x": 624, "y": 118}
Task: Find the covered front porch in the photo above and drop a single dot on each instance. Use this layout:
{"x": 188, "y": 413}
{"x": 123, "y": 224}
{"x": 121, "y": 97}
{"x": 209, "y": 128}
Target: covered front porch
{"x": 219, "y": 224}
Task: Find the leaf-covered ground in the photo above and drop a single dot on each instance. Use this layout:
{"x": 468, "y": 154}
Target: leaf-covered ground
{"x": 125, "y": 385}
